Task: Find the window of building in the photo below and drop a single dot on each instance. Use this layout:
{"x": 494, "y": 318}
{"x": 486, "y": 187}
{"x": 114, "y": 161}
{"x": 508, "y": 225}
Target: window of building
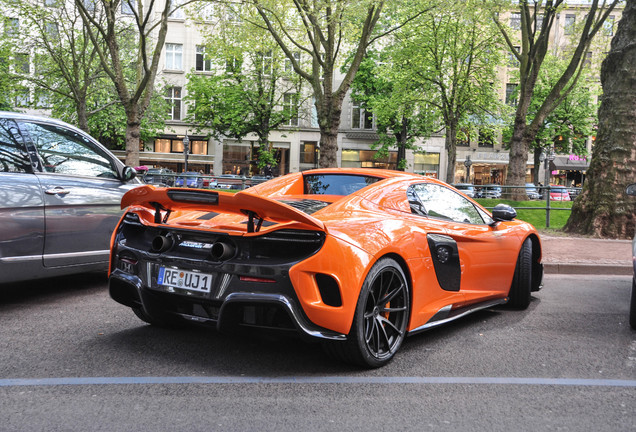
{"x": 177, "y": 11}
{"x": 511, "y": 94}
{"x": 588, "y": 59}
{"x": 42, "y": 98}
{"x": 426, "y": 164}
{"x": 162, "y": 145}
{"x": 367, "y": 159}
{"x": 128, "y": 7}
{"x": 570, "y": 20}
{"x": 173, "y": 97}
{"x": 22, "y": 64}
{"x": 288, "y": 64}
{"x": 11, "y": 27}
{"x": 233, "y": 65}
{"x": 463, "y": 137}
{"x": 513, "y": 61}
{"x": 539, "y": 23}
{"x": 515, "y": 21}
{"x": 290, "y": 106}
{"x": 609, "y": 25}
{"x": 203, "y": 64}
{"x": 52, "y": 30}
{"x": 309, "y": 154}
{"x": 314, "y": 113}
{"x": 174, "y": 56}
{"x": 264, "y": 62}
{"x": 486, "y": 137}
{"x": 360, "y": 119}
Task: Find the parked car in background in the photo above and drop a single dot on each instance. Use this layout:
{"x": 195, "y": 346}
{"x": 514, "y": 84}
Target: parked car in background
{"x": 559, "y": 193}
{"x": 192, "y": 180}
{"x": 311, "y": 252}
{"x": 159, "y": 176}
{"x": 466, "y": 188}
{"x": 631, "y": 191}
{"x": 230, "y": 181}
{"x": 60, "y": 193}
{"x": 531, "y": 191}
{"x": 492, "y": 191}
{"x": 574, "y": 192}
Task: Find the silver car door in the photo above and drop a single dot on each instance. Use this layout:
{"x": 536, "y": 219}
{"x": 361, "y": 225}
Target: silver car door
{"x": 82, "y": 194}
{"x": 21, "y": 208}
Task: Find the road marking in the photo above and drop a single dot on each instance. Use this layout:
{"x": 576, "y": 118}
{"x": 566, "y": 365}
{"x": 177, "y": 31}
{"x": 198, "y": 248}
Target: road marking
{"x": 85, "y": 381}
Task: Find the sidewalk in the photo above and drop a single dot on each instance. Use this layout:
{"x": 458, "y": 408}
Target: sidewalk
{"x": 586, "y": 256}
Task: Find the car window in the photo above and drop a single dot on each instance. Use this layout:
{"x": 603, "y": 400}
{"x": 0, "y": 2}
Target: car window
{"x": 437, "y": 201}
{"x": 13, "y": 154}
{"x": 64, "y": 151}
{"x": 336, "y": 184}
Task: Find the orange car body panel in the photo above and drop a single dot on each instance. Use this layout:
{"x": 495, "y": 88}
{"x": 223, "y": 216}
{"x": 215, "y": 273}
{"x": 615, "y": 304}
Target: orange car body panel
{"x": 360, "y": 229}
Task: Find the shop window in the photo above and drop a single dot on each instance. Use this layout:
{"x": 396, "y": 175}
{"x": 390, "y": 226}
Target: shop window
{"x": 309, "y": 153}
{"x": 426, "y": 164}
{"x": 162, "y": 146}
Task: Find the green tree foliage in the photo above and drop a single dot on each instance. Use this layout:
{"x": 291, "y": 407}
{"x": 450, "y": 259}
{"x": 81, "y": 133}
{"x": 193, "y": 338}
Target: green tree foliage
{"x": 326, "y": 32}
{"x": 568, "y": 126}
{"x": 530, "y": 46}
{"x": 384, "y": 90}
{"x": 250, "y": 89}
{"x": 445, "y": 63}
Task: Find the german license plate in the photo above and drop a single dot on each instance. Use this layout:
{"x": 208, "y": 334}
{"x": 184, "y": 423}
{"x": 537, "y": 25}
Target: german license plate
{"x": 192, "y": 281}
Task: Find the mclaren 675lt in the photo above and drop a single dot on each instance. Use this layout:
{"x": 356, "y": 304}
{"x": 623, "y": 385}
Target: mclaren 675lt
{"x": 357, "y": 258}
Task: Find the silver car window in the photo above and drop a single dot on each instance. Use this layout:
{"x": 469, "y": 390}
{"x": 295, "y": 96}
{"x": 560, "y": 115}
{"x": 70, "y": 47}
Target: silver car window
{"x": 64, "y": 151}
{"x": 13, "y": 155}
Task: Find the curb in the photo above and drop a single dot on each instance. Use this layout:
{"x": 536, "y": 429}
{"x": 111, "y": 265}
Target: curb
{"x": 588, "y": 269}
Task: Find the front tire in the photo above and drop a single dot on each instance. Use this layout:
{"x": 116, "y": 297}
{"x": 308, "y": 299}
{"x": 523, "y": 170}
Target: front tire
{"x": 380, "y": 320}
{"x": 519, "y": 295}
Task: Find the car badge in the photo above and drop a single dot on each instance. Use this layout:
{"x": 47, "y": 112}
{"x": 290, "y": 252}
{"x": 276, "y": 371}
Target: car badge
{"x": 195, "y": 245}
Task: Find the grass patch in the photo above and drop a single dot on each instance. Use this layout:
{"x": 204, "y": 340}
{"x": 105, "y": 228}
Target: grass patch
{"x": 535, "y": 215}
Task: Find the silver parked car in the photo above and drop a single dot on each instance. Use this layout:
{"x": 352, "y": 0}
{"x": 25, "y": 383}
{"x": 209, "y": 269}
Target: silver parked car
{"x": 60, "y": 194}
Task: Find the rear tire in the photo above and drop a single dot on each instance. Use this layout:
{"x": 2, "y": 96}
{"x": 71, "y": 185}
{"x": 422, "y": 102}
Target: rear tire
{"x": 380, "y": 320}
{"x": 632, "y": 306}
{"x": 519, "y": 295}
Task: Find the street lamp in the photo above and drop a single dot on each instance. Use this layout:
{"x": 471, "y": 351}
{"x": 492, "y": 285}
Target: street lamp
{"x": 546, "y": 157}
{"x": 467, "y": 164}
{"x": 186, "y": 150}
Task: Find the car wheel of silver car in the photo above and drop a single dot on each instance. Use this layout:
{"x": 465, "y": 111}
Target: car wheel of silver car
{"x": 381, "y": 317}
{"x": 158, "y": 321}
{"x": 632, "y": 306}
{"x": 519, "y": 295}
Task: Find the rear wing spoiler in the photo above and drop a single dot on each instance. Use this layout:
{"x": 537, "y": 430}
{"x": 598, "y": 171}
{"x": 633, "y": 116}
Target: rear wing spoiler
{"x": 256, "y": 207}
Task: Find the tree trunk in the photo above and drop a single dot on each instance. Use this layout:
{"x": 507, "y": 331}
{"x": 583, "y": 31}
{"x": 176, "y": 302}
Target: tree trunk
{"x": 133, "y": 133}
{"x": 450, "y": 144}
{"x": 603, "y": 209}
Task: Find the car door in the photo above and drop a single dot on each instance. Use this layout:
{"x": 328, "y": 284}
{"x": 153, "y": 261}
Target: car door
{"x": 21, "y": 208}
{"x": 487, "y": 252}
{"x": 81, "y": 193}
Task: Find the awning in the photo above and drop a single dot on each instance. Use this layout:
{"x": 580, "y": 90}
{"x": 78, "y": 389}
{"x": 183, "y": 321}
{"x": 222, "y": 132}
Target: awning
{"x": 569, "y": 163}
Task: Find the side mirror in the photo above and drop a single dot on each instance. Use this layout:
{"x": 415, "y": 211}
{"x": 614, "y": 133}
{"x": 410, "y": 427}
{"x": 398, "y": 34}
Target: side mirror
{"x": 631, "y": 190}
{"x": 503, "y": 212}
{"x": 128, "y": 173}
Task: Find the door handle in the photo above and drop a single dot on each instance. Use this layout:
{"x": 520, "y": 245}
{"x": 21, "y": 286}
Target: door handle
{"x": 57, "y": 191}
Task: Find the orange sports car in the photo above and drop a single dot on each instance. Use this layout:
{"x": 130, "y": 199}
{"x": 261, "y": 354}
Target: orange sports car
{"x": 357, "y": 258}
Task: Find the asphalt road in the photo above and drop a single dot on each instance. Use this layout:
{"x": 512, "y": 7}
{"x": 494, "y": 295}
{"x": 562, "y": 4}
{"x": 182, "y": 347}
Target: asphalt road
{"x": 72, "y": 359}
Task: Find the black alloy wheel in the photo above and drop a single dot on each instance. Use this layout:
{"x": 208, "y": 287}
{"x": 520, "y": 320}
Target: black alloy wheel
{"x": 382, "y": 314}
